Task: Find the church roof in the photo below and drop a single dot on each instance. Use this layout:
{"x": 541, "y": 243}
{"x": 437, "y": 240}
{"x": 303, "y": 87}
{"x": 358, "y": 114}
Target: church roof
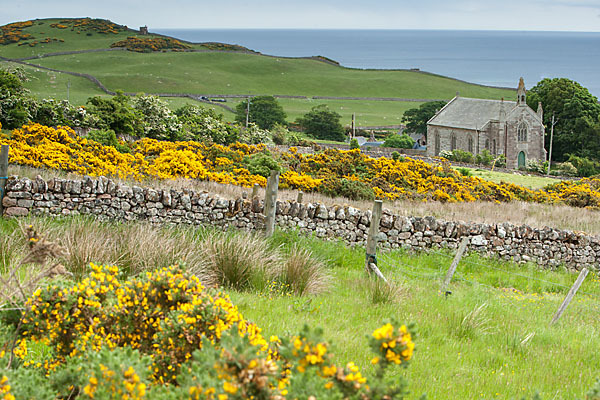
{"x": 467, "y": 113}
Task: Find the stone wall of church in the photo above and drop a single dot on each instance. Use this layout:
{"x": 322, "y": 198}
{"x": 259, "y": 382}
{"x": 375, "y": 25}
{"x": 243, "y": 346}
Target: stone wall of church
{"x": 533, "y": 147}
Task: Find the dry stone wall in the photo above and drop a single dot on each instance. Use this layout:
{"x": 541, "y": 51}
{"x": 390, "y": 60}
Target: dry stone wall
{"x": 106, "y": 199}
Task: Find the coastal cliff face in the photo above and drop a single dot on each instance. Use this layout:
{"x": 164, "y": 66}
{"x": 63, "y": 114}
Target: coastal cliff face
{"x": 105, "y": 199}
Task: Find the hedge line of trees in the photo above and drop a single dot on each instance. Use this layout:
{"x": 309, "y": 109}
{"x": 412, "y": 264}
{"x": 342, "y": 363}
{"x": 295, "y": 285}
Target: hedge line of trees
{"x": 149, "y": 116}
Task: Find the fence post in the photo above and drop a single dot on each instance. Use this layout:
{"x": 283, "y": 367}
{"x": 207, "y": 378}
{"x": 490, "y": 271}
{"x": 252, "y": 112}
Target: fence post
{"x": 371, "y": 254}
{"x": 271, "y": 202}
{"x": 3, "y": 174}
{"x": 454, "y": 265}
{"x": 570, "y": 295}
{"x": 255, "y": 190}
{"x": 300, "y": 196}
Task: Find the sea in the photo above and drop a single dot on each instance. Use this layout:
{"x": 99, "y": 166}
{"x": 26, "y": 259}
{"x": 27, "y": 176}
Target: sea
{"x": 496, "y": 58}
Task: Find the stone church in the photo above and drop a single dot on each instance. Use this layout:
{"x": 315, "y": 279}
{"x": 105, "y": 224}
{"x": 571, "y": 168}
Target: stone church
{"x": 502, "y": 127}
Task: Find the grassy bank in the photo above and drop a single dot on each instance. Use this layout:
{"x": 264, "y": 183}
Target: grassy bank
{"x": 489, "y": 339}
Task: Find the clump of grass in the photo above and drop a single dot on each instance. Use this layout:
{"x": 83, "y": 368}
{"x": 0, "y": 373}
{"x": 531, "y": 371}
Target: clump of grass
{"x": 239, "y": 261}
{"x": 474, "y": 323}
{"x": 380, "y": 292}
{"x": 304, "y": 273}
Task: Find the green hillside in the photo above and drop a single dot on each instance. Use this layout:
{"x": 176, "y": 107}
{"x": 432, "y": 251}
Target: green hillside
{"x": 206, "y": 71}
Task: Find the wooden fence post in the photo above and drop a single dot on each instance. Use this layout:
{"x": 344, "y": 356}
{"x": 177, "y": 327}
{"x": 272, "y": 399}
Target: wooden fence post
{"x": 271, "y": 202}
{"x": 3, "y": 174}
{"x": 570, "y": 295}
{"x": 371, "y": 256}
{"x": 255, "y": 190}
{"x": 300, "y": 196}
{"x": 461, "y": 249}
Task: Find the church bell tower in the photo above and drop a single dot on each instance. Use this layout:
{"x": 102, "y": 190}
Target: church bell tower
{"x": 521, "y": 93}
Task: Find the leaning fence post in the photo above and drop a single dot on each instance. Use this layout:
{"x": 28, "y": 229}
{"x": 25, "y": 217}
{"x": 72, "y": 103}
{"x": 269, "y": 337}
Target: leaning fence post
{"x": 371, "y": 254}
{"x": 570, "y": 295}
{"x": 271, "y": 202}
{"x": 454, "y": 265}
{"x": 3, "y": 174}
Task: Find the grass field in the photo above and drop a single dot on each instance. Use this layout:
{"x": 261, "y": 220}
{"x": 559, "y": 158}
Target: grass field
{"x": 489, "y": 339}
{"x": 235, "y": 73}
{"x": 530, "y": 181}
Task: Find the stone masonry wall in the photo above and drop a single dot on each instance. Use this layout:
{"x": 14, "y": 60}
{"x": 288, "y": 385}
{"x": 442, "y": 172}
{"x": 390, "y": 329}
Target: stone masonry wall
{"x": 106, "y": 199}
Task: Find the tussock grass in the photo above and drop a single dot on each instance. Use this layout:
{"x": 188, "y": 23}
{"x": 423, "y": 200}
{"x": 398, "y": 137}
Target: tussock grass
{"x": 239, "y": 261}
{"x": 304, "y": 273}
{"x": 474, "y": 323}
{"x": 380, "y": 292}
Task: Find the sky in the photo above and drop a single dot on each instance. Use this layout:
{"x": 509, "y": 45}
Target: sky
{"x": 545, "y": 15}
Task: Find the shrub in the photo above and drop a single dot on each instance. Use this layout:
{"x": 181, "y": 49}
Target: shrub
{"x": 500, "y": 161}
{"x": 464, "y": 171}
{"x": 262, "y": 164}
{"x": 107, "y": 137}
{"x": 279, "y": 134}
{"x": 537, "y": 166}
{"x": 585, "y": 166}
{"x": 351, "y": 189}
{"x": 254, "y": 135}
{"x": 397, "y": 156}
{"x": 484, "y": 158}
{"x": 354, "y": 144}
{"x": 446, "y": 154}
{"x": 566, "y": 169}
{"x": 399, "y": 141}
{"x": 463, "y": 156}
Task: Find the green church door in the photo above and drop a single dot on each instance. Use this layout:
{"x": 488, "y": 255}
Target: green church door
{"x": 521, "y": 160}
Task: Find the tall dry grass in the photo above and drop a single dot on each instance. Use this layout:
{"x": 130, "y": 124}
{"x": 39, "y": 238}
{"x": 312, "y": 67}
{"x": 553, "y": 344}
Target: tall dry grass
{"x": 236, "y": 260}
{"x": 517, "y": 213}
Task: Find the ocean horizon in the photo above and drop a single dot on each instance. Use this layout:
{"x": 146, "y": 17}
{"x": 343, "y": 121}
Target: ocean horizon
{"x": 494, "y": 58}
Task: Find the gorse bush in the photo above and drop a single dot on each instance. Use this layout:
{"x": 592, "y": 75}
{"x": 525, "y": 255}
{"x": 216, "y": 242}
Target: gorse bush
{"x": 350, "y": 174}
{"x": 163, "y": 335}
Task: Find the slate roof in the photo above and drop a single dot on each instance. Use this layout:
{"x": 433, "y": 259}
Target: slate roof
{"x": 467, "y": 113}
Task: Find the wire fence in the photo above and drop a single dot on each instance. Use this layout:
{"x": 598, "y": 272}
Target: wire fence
{"x": 423, "y": 272}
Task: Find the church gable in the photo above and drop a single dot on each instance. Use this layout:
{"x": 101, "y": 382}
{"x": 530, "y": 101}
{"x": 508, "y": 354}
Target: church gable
{"x": 509, "y": 128}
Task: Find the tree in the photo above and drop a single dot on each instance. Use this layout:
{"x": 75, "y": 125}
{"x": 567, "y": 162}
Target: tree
{"x": 16, "y": 106}
{"x": 265, "y": 112}
{"x": 416, "y": 118}
{"x": 399, "y": 141}
{"x": 578, "y": 129}
{"x": 204, "y": 124}
{"x": 322, "y": 123}
{"x": 158, "y": 120}
{"x": 116, "y": 113}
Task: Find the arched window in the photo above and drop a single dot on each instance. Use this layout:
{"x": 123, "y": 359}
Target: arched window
{"x": 522, "y": 132}
{"x": 437, "y": 144}
{"x": 470, "y": 147}
{"x": 487, "y": 144}
{"x": 494, "y": 146}
{"x": 453, "y": 142}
